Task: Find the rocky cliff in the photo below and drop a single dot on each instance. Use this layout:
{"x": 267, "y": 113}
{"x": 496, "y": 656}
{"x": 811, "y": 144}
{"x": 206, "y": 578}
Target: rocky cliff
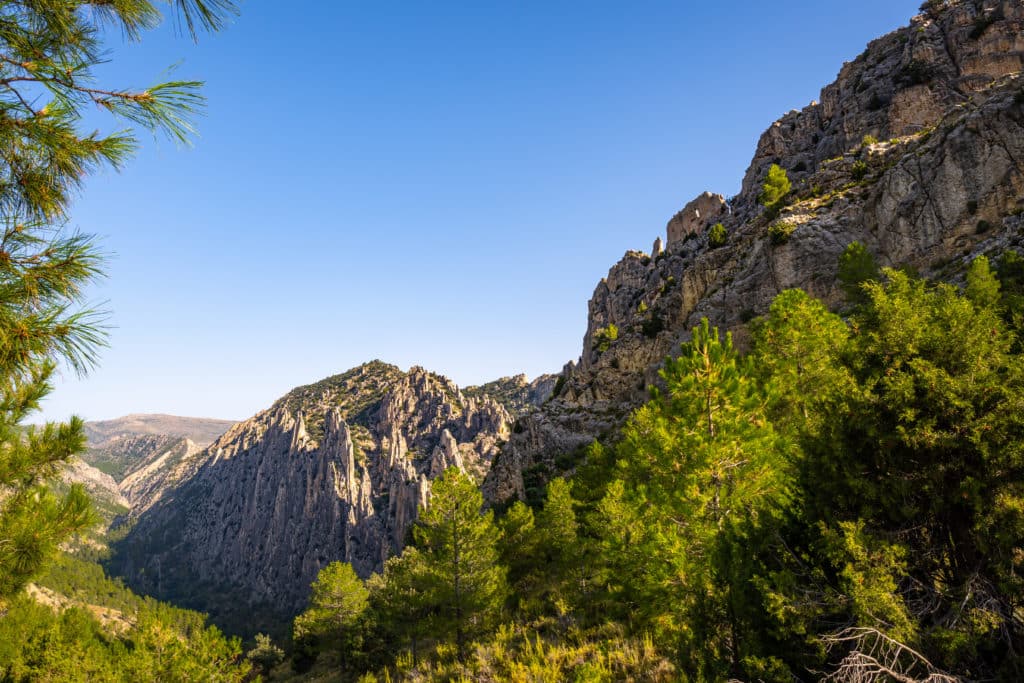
{"x": 518, "y": 394}
{"x": 916, "y": 150}
{"x": 332, "y": 471}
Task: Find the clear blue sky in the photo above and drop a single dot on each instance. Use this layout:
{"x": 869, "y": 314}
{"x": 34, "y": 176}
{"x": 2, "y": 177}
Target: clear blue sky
{"x": 439, "y": 184}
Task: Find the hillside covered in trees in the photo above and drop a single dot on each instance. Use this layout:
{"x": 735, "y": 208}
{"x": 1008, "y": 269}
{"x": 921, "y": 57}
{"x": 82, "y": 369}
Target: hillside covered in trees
{"x": 792, "y": 447}
{"x": 842, "y": 502}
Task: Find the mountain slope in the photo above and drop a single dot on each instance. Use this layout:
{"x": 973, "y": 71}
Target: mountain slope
{"x": 944, "y": 94}
{"x": 202, "y": 430}
{"x": 332, "y": 471}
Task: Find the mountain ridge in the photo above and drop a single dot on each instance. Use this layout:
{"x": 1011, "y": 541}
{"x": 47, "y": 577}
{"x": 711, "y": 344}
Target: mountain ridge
{"x": 916, "y": 150}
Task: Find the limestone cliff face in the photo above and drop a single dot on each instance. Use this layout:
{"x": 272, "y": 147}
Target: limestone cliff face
{"x": 161, "y": 470}
{"x": 944, "y": 96}
{"x": 333, "y": 471}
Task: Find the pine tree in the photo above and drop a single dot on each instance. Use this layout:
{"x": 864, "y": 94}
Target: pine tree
{"x": 459, "y": 546}
{"x": 336, "y": 609}
{"x": 982, "y": 284}
{"x": 49, "y": 50}
{"x": 857, "y": 265}
{"x": 926, "y": 449}
{"x": 797, "y": 349}
{"x": 775, "y": 189}
{"x": 401, "y": 603}
{"x": 701, "y": 474}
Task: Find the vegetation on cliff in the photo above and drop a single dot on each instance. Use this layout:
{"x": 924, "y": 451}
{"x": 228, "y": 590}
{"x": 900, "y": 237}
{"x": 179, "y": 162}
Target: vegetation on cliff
{"x": 847, "y": 488}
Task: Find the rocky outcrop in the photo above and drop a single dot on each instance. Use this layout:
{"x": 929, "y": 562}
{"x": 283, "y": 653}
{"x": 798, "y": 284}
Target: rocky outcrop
{"x": 336, "y": 470}
{"x": 99, "y": 485}
{"x": 161, "y": 470}
{"x": 517, "y": 394}
{"x": 917, "y": 150}
{"x": 703, "y": 211}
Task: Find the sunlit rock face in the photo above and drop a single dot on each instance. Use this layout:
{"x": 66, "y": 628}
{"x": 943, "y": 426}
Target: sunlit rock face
{"x": 336, "y": 470}
{"x": 916, "y": 150}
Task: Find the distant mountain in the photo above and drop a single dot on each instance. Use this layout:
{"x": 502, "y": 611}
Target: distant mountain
{"x": 335, "y": 470}
{"x": 201, "y": 430}
{"x": 130, "y": 460}
{"x": 128, "y": 444}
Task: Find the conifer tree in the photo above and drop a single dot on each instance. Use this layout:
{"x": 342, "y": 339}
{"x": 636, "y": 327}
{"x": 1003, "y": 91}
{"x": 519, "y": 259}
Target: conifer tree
{"x": 337, "y": 606}
{"x": 926, "y": 449}
{"x": 982, "y": 284}
{"x": 459, "y": 546}
{"x": 797, "y": 349}
{"x": 400, "y": 601}
{"x": 701, "y": 472}
{"x": 857, "y": 265}
{"x": 48, "y": 51}
{"x": 775, "y": 189}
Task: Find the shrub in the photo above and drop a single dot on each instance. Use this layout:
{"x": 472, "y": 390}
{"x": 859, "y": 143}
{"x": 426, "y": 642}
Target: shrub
{"x": 972, "y": 207}
{"x": 982, "y": 227}
{"x": 859, "y": 170}
{"x": 857, "y": 265}
{"x": 776, "y": 187}
{"x": 717, "y": 235}
{"x": 780, "y": 232}
{"x": 604, "y": 337}
{"x": 869, "y": 140}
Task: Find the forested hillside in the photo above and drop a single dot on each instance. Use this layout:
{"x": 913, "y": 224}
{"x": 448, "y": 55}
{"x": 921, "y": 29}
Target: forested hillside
{"x": 791, "y": 448}
{"x": 842, "y": 502}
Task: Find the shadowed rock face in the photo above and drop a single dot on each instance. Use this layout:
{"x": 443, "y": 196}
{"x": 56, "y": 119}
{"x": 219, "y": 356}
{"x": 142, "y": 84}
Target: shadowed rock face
{"x": 944, "y": 96}
{"x": 333, "y": 471}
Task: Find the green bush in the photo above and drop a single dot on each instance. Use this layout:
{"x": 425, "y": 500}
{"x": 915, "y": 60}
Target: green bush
{"x": 859, "y": 170}
{"x": 775, "y": 189}
{"x": 869, "y": 140}
{"x": 717, "y": 235}
{"x": 604, "y": 337}
{"x": 857, "y": 265}
{"x": 780, "y": 231}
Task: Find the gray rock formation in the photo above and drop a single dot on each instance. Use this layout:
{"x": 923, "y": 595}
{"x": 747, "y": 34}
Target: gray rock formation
{"x": 517, "y": 394}
{"x": 705, "y": 210}
{"x": 161, "y": 470}
{"x": 333, "y": 471}
{"x": 946, "y": 98}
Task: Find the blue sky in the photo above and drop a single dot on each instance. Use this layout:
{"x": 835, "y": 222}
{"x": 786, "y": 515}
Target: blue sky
{"x": 437, "y": 184}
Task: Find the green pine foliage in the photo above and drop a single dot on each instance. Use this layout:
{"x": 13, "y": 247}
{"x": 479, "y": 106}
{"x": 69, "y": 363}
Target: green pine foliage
{"x": 847, "y": 495}
{"x": 717, "y": 236}
{"x": 857, "y": 266}
{"x": 982, "y": 284}
{"x": 137, "y": 639}
{"x": 466, "y": 584}
{"x": 338, "y": 604}
{"x": 775, "y": 190}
